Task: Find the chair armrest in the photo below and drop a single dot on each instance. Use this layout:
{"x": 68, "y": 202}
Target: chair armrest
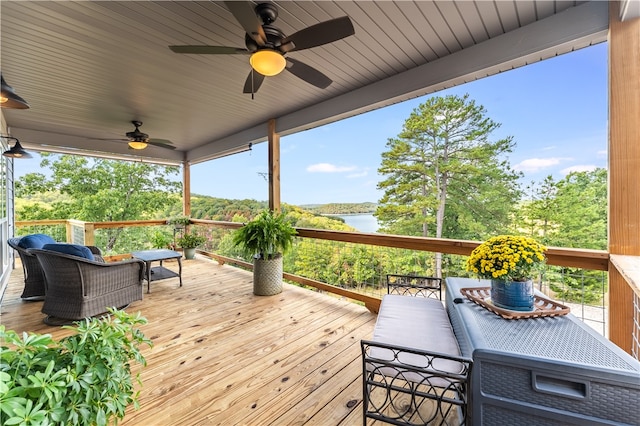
{"x": 100, "y": 278}
{"x": 97, "y": 253}
{"x": 390, "y": 385}
{"x": 414, "y": 285}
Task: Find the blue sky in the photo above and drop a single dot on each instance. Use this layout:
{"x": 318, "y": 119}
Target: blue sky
{"x": 556, "y": 111}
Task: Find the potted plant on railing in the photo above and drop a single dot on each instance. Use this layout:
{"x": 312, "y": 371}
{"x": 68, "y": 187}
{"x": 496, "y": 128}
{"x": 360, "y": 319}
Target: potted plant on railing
{"x": 180, "y": 224}
{"x": 509, "y": 262}
{"x": 266, "y": 238}
{"x": 189, "y": 242}
{"x": 82, "y": 379}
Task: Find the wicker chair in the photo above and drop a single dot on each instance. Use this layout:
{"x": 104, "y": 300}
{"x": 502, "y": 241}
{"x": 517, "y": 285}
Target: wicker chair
{"x": 78, "y": 288}
{"x": 34, "y": 286}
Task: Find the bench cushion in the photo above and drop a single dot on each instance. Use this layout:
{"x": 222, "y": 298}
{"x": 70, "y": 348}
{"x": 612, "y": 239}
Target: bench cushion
{"x": 417, "y": 323}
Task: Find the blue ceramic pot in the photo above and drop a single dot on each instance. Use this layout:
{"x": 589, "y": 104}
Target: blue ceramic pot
{"x": 513, "y": 295}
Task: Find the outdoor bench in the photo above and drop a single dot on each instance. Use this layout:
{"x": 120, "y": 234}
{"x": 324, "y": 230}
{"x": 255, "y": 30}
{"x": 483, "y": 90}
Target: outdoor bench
{"x": 413, "y": 372}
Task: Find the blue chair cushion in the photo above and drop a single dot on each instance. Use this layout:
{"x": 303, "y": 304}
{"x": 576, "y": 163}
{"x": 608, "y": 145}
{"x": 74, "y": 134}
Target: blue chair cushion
{"x": 72, "y": 249}
{"x": 35, "y": 241}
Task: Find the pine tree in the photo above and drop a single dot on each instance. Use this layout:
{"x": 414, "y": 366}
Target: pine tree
{"x": 444, "y": 177}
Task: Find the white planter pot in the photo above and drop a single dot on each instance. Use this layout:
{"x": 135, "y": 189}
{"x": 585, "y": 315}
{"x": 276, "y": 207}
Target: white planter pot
{"x": 267, "y": 276}
{"x": 189, "y": 253}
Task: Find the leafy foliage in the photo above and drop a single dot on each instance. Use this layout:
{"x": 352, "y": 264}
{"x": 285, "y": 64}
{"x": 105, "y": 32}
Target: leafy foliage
{"x": 161, "y": 240}
{"x": 212, "y": 208}
{"x": 570, "y": 213}
{"x": 180, "y": 220}
{"x": 189, "y": 240}
{"x": 101, "y": 190}
{"x": 84, "y": 379}
{"x": 267, "y": 235}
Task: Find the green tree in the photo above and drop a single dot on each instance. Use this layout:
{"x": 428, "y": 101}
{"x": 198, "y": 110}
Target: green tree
{"x": 101, "y": 190}
{"x": 538, "y": 214}
{"x": 571, "y": 212}
{"x": 581, "y": 203}
{"x": 444, "y": 177}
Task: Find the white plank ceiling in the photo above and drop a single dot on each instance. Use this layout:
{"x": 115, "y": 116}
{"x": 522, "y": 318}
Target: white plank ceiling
{"x": 87, "y": 68}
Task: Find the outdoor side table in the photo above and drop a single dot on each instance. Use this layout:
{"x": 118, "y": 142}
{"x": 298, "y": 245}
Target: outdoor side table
{"x": 159, "y": 272}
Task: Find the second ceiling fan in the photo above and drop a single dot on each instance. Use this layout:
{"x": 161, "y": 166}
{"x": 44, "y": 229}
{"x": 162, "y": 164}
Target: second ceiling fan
{"x": 268, "y": 46}
{"x": 137, "y": 139}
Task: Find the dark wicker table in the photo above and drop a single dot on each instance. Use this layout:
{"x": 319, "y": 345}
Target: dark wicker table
{"x": 159, "y": 272}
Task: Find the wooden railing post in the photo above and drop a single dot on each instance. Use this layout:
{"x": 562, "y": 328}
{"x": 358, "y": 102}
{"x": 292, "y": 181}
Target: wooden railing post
{"x": 89, "y": 234}
{"x": 624, "y": 167}
{"x": 274, "y": 167}
{"x": 79, "y": 232}
{"x": 69, "y": 229}
{"x": 186, "y": 188}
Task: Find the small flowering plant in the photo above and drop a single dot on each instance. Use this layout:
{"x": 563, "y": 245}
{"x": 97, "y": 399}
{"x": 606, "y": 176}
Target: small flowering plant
{"x": 507, "y": 258}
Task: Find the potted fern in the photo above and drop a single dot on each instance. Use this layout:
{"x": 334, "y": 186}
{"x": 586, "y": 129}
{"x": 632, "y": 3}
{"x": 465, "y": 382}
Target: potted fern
{"x": 266, "y": 238}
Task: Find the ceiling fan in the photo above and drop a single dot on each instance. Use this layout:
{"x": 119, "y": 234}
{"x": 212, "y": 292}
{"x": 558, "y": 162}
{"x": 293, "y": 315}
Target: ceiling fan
{"x": 268, "y": 46}
{"x": 139, "y": 140}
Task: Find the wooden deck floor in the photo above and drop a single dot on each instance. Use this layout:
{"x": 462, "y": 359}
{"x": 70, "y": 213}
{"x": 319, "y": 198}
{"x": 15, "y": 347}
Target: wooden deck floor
{"x": 223, "y": 356}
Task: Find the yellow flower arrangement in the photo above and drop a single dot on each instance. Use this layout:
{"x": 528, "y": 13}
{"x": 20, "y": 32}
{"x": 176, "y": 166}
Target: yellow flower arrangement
{"x": 507, "y": 258}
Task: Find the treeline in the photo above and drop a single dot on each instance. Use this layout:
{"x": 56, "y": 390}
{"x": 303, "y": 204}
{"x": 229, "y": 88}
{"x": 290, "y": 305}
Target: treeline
{"x": 341, "y": 208}
{"x": 212, "y": 208}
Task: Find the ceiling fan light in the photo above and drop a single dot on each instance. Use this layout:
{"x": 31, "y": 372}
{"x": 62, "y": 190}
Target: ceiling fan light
{"x": 137, "y": 145}
{"x": 268, "y": 62}
{"x": 9, "y": 98}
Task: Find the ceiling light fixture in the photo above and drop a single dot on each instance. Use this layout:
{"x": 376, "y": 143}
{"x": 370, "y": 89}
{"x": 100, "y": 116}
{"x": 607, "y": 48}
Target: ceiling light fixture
{"x": 137, "y": 144}
{"x": 17, "y": 151}
{"x": 268, "y": 62}
{"x": 9, "y": 98}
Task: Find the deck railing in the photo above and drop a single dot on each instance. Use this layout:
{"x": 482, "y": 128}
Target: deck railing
{"x": 568, "y": 273}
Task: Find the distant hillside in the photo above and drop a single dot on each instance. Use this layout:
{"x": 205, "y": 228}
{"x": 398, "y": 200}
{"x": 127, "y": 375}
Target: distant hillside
{"x": 203, "y": 207}
{"x": 212, "y": 208}
{"x": 341, "y": 208}
{"x": 207, "y": 207}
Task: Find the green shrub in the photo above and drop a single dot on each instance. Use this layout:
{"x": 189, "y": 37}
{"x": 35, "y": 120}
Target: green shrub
{"x": 83, "y": 379}
{"x": 190, "y": 240}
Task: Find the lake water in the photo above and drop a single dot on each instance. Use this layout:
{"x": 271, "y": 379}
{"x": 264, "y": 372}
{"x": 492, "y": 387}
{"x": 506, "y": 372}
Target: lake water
{"x": 362, "y": 222}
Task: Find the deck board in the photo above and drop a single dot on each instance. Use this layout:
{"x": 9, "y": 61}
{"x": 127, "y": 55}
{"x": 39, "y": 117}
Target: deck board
{"x": 223, "y": 356}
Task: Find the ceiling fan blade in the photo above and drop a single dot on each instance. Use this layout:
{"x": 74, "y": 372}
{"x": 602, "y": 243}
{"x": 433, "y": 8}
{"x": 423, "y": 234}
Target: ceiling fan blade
{"x": 109, "y": 139}
{"x": 155, "y": 142}
{"x": 209, "y": 50}
{"x": 308, "y": 74}
{"x": 160, "y": 141}
{"x": 319, "y": 34}
{"x": 245, "y": 14}
{"x": 253, "y": 82}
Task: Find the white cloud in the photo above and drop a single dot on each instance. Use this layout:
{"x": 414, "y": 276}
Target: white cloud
{"x": 329, "y": 168}
{"x": 357, "y": 175}
{"x": 536, "y": 164}
{"x": 579, "y": 168}
{"x": 602, "y": 153}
